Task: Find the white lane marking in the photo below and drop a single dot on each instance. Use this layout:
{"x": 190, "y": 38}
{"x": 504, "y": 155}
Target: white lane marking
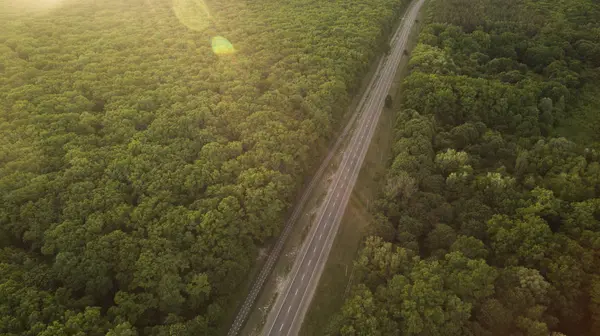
{"x": 303, "y": 276}
{"x": 296, "y": 293}
{"x": 281, "y": 327}
{"x": 320, "y": 236}
{"x": 329, "y": 215}
{"x": 309, "y": 262}
{"x": 315, "y": 249}
{"x": 289, "y": 307}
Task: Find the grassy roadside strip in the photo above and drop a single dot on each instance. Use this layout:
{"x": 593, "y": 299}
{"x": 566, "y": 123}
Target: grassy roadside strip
{"x": 582, "y": 127}
{"x": 337, "y": 275}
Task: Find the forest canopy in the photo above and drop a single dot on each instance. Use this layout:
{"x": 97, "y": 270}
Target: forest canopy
{"x": 489, "y": 216}
{"x": 149, "y": 148}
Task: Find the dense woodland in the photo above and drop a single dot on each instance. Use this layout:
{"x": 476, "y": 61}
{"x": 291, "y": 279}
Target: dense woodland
{"x": 489, "y": 217}
{"x": 140, "y": 172}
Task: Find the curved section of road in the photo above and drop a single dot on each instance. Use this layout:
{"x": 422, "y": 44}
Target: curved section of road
{"x": 290, "y": 308}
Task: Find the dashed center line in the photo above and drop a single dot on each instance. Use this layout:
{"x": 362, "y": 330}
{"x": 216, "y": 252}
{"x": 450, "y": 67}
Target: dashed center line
{"x": 309, "y": 262}
{"x": 296, "y": 293}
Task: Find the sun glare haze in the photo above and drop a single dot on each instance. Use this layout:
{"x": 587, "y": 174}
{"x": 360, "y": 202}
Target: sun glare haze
{"x": 30, "y": 5}
{"x": 194, "y": 14}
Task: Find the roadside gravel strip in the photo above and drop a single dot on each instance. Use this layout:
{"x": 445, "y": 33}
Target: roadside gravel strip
{"x": 290, "y": 308}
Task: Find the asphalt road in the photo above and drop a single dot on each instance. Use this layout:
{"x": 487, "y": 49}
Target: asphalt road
{"x": 274, "y": 254}
{"x": 290, "y": 307}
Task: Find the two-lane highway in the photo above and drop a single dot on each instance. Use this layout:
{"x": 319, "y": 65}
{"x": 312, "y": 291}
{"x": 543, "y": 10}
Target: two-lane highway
{"x": 290, "y": 307}
{"x": 287, "y": 229}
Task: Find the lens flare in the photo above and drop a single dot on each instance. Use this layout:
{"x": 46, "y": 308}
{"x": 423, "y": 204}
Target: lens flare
{"x": 222, "y": 46}
{"x": 193, "y": 14}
